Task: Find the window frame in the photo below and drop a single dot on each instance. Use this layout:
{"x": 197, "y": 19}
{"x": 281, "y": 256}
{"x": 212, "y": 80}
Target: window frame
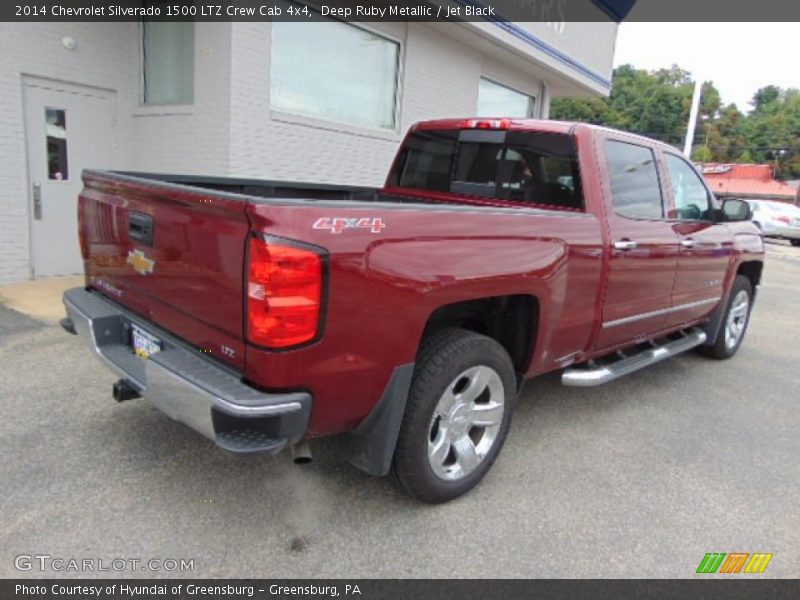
{"x": 659, "y": 178}
{"x": 393, "y": 133}
{"x": 531, "y": 97}
{"x": 713, "y": 206}
{"x": 145, "y": 107}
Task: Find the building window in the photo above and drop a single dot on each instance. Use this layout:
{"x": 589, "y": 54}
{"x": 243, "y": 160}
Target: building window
{"x": 495, "y": 100}
{"x": 168, "y": 62}
{"x": 334, "y": 71}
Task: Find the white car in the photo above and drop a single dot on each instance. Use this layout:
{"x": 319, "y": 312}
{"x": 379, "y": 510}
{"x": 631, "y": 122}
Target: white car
{"x": 777, "y": 219}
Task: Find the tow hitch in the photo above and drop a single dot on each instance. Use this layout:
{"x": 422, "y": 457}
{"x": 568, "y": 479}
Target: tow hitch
{"x": 122, "y": 390}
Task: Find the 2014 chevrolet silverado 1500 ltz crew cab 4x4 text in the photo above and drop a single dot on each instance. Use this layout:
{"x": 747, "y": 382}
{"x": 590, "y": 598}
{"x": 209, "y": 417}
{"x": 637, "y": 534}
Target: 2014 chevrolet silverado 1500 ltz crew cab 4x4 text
{"x": 405, "y": 319}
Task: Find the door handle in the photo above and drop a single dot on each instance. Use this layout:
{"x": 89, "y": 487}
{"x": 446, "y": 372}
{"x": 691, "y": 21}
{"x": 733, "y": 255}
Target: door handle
{"x": 140, "y": 228}
{"x": 37, "y": 201}
{"x": 625, "y": 245}
{"x": 688, "y": 243}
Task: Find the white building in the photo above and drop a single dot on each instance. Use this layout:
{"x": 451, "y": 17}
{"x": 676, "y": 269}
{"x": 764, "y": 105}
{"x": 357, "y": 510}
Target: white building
{"x": 325, "y": 102}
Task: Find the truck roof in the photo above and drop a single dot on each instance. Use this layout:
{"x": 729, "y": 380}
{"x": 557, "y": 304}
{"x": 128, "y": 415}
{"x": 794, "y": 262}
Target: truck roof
{"x": 543, "y": 125}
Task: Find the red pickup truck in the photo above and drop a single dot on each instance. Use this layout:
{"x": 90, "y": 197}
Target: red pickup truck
{"x": 405, "y": 319}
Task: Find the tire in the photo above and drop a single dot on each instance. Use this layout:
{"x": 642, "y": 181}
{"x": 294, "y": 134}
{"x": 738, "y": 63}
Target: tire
{"x": 457, "y": 415}
{"x": 734, "y": 323}
{"x": 795, "y": 242}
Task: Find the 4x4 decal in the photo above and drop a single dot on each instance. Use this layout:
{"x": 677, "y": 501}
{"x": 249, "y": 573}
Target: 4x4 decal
{"x": 339, "y": 224}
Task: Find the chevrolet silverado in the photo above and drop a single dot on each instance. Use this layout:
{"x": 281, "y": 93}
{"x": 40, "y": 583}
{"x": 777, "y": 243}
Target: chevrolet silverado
{"x": 404, "y": 320}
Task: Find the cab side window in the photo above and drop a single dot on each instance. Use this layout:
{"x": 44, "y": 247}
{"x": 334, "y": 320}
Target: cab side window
{"x": 692, "y": 202}
{"x": 635, "y": 188}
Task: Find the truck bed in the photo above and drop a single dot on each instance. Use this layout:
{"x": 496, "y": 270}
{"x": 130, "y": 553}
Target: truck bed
{"x": 257, "y": 188}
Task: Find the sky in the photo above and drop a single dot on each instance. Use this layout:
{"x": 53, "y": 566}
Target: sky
{"x": 738, "y": 57}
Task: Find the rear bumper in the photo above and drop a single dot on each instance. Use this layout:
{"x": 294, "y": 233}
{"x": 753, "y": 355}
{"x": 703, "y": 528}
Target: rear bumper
{"x": 190, "y": 388}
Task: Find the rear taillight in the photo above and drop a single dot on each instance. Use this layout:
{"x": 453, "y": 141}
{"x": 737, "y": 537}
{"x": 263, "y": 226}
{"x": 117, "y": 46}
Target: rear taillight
{"x": 783, "y": 219}
{"x": 82, "y": 233}
{"x": 284, "y": 294}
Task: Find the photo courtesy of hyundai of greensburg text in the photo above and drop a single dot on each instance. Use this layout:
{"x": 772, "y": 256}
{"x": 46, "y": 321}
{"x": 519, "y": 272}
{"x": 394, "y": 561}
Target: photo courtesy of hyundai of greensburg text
{"x": 390, "y": 299}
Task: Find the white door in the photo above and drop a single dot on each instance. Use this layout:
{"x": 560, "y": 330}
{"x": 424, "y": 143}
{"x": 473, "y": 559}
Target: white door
{"x": 68, "y": 128}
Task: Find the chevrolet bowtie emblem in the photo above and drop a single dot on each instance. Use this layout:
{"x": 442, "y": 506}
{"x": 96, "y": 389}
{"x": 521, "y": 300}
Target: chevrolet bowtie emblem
{"x": 140, "y": 263}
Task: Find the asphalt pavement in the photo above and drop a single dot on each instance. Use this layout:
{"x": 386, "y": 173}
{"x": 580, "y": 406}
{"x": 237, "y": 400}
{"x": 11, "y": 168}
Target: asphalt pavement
{"x": 639, "y": 478}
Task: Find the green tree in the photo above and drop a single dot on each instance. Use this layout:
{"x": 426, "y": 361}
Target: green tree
{"x": 657, "y": 104}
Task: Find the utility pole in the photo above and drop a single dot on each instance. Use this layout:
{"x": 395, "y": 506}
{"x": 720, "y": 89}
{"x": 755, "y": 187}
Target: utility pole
{"x": 687, "y": 146}
{"x": 777, "y": 155}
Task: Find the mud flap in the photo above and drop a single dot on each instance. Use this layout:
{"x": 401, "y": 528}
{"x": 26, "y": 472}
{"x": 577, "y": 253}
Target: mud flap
{"x": 370, "y": 447}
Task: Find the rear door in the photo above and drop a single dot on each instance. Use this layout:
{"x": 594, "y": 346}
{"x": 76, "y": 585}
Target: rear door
{"x": 705, "y": 246}
{"x": 644, "y": 245}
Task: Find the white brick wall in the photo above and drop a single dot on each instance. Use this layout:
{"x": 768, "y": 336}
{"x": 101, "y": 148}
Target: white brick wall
{"x": 230, "y": 128}
{"x": 105, "y": 57}
{"x": 439, "y": 79}
{"x": 190, "y": 139}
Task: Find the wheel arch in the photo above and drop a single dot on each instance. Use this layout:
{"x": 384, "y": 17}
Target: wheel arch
{"x": 511, "y": 320}
{"x": 751, "y": 270}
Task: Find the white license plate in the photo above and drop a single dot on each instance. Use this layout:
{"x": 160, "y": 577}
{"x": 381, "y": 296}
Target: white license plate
{"x": 144, "y": 344}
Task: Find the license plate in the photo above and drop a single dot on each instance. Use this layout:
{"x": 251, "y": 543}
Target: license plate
{"x": 144, "y": 344}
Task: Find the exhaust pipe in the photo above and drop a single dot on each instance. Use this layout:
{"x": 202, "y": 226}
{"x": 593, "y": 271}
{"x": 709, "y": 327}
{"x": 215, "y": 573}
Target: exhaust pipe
{"x": 301, "y": 453}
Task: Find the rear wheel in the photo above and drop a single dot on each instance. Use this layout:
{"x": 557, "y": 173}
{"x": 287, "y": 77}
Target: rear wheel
{"x": 795, "y": 242}
{"x": 735, "y": 321}
{"x": 457, "y": 415}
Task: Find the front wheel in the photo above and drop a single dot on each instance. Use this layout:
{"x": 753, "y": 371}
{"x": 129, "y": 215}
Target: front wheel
{"x": 457, "y": 415}
{"x": 735, "y": 321}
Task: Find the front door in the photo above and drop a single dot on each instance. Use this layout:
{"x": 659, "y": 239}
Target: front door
{"x": 644, "y": 247}
{"x": 68, "y": 128}
{"x": 706, "y": 246}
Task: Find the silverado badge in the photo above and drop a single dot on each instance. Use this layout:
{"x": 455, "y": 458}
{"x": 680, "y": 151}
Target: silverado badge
{"x": 140, "y": 263}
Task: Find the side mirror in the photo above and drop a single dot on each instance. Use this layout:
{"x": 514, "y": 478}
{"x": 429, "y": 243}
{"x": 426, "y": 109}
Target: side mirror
{"x": 736, "y": 210}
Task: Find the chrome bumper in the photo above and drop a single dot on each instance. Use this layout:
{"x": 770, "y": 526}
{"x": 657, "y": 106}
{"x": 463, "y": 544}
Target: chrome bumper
{"x": 190, "y": 388}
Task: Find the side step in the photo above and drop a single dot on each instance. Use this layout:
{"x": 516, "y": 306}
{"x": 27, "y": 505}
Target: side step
{"x": 591, "y": 374}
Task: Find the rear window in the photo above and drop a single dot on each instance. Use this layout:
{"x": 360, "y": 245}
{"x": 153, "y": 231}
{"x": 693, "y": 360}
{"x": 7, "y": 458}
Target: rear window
{"x": 425, "y": 161}
{"x": 527, "y": 167}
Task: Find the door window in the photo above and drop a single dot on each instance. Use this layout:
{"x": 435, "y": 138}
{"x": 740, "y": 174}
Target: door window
{"x": 691, "y": 197}
{"x": 635, "y": 189}
{"x": 56, "y": 133}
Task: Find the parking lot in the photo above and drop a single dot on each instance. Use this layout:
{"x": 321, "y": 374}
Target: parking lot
{"x": 639, "y": 478}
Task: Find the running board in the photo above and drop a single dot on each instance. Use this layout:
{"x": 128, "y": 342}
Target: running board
{"x": 592, "y": 374}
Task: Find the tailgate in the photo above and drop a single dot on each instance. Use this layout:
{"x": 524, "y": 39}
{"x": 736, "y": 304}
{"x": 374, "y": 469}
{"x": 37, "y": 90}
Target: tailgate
{"x": 171, "y": 254}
